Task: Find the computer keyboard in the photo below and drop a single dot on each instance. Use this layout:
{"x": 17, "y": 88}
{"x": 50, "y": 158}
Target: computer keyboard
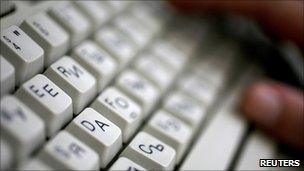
{"x": 117, "y": 85}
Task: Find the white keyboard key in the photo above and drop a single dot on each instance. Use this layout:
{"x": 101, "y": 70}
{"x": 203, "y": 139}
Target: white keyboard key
{"x": 138, "y": 88}
{"x": 150, "y": 152}
{"x": 169, "y": 54}
{"x": 6, "y": 155}
{"x": 24, "y": 130}
{"x": 219, "y": 142}
{"x": 72, "y": 21}
{"x": 7, "y": 76}
{"x": 35, "y": 164}
{"x": 257, "y": 146}
{"x": 72, "y": 78}
{"x": 201, "y": 90}
{"x": 125, "y": 164}
{"x": 120, "y": 109}
{"x": 46, "y": 99}
{"x": 48, "y": 34}
{"x": 170, "y": 130}
{"x": 97, "y": 132}
{"x": 136, "y": 31}
{"x": 185, "y": 108}
{"x": 22, "y": 52}
{"x": 95, "y": 11}
{"x": 66, "y": 152}
{"x": 117, "y": 44}
{"x": 96, "y": 61}
{"x": 155, "y": 71}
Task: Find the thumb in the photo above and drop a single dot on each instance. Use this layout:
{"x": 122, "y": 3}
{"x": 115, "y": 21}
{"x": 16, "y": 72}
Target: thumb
{"x": 278, "y": 109}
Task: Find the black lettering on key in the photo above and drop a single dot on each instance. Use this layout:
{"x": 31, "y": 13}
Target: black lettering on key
{"x": 133, "y": 115}
{"x": 18, "y": 112}
{"x": 36, "y": 91}
{"x": 7, "y": 39}
{"x": 97, "y": 56}
{"x": 122, "y": 103}
{"x": 138, "y": 85}
{"x": 75, "y": 71}
{"x": 107, "y": 100}
{"x": 16, "y": 46}
{"x": 169, "y": 124}
{"x": 16, "y": 33}
{"x": 88, "y": 125}
{"x": 76, "y": 150}
{"x": 149, "y": 150}
{"x": 132, "y": 169}
{"x": 101, "y": 125}
{"x": 63, "y": 71}
{"x": 62, "y": 152}
{"x": 49, "y": 91}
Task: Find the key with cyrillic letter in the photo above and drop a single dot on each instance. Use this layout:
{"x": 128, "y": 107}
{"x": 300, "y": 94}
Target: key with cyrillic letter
{"x": 51, "y": 103}
{"x": 76, "y": 81}
{"x": 97, "y": 132}
{"x": 150, "y": 152}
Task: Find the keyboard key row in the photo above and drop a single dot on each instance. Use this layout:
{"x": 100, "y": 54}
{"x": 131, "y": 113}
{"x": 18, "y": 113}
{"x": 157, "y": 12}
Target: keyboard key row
{"x": 45, "y": 37}
{"x": 121, "y": 108}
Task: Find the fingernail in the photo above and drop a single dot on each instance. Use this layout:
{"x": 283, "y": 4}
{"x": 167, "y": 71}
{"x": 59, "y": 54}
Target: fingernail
{"x": 263, "y": 104}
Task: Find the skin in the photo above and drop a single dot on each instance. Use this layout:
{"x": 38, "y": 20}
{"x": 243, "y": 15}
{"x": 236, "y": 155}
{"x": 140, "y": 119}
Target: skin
{"x": 275, "y": 107}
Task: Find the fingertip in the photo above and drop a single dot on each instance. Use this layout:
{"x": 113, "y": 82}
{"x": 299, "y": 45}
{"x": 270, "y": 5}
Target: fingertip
{"x": 276, "y": 108}
{"x": 261, "y": 104}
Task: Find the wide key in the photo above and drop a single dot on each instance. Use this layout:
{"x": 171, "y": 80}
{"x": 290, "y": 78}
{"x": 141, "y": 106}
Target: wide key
{"x": 48, "y": 34}
{"x": 66, "y": 152}
{"x": 22, "y": 52}
{"x": 24, "y": 130}
{"x": 51, "y": 103}
{"x": 150, "y": 152}
{"x": 77, "y": 82}
{"x": 120, "y": 109}
{"x": 97, "y": 132}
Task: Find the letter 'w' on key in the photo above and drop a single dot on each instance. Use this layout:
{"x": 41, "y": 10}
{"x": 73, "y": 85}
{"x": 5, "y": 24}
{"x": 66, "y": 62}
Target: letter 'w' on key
{"x": 75, "y": 80}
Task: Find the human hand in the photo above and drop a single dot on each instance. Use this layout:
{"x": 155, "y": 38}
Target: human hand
{"x": 275, "y": 107}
